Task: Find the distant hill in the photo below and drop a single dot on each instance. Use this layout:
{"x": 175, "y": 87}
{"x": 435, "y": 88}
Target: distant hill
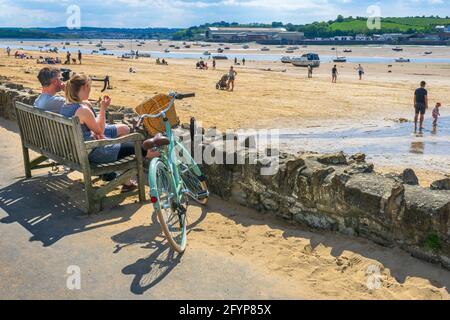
{"x": 339, "y": 27}
{"x": 87, "y": 33}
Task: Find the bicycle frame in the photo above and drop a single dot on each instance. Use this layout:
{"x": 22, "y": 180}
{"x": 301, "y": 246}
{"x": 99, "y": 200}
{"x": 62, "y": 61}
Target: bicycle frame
{"x": 170, "y": 164}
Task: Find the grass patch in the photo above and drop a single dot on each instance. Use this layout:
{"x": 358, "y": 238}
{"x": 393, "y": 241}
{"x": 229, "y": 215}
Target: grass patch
{"x": 433, "y": 242}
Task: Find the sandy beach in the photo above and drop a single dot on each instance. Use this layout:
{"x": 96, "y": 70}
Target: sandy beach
{"x": 270, "y": 94}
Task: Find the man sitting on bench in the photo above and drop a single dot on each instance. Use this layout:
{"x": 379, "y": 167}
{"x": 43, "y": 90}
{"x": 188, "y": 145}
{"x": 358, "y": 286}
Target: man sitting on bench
{"x": 52, "y": 83}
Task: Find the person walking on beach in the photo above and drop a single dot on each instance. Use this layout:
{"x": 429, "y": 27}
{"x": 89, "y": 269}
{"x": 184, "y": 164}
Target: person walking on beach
{"x": 214, "y": 64}
{"x": 420, "y": 104}
{"x": 243, "y": 61}
{"x": 360, "y": 70}
{"x": 68, "y": 55}
{"x": 436, "y": 114}
{"x": 8, "y": 51}
{"x": 79, "y": 56}
{"x": 231, "y": 77}
{"x": 235, "y": 61}
{"x": 310, "y": 71}
{"x": 334, "y": 74}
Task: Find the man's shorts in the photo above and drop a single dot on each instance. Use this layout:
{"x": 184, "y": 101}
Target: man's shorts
{"x": 111, "y": 131}
{"x": 420, "y": 108}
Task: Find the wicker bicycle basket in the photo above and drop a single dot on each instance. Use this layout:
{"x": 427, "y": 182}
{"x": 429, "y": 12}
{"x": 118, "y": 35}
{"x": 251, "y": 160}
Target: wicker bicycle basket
{"x": 153, "y": 106}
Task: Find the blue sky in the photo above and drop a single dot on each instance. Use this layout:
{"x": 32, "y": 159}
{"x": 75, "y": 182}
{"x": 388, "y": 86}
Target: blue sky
{"x": 184, "y": 13}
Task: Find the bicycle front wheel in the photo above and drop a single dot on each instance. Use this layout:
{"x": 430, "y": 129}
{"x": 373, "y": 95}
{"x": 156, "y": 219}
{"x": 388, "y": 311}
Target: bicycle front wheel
{"x": 171, "y": 215}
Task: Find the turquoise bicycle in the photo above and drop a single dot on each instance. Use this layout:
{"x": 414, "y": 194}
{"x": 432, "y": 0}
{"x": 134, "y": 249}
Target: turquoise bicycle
{"x": 174, "y": 177}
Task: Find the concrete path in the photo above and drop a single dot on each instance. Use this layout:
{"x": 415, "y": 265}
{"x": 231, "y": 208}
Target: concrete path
{"x": 233, "y": 253}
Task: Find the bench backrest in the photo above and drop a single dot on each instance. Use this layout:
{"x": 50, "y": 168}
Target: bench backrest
{"x": 52, "y": 135}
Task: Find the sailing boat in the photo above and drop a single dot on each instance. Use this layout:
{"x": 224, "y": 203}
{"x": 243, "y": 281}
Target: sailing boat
{"x": 339, "y": 59}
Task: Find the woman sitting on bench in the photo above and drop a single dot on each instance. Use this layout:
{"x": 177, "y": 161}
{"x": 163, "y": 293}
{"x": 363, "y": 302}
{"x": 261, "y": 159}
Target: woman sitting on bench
{"x": 77, "y": 90}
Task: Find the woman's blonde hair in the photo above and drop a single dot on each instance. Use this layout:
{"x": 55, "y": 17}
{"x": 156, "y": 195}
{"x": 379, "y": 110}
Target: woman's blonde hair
{"x": 73, "y": 87}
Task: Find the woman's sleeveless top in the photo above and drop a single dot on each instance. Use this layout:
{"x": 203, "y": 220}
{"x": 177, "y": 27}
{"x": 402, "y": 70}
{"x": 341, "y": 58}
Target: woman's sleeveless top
{"x": 98, "y": 155}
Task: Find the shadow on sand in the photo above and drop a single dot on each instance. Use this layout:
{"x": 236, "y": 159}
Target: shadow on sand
{"x": 48, "y": 207}
{"x": 151, "y": 270}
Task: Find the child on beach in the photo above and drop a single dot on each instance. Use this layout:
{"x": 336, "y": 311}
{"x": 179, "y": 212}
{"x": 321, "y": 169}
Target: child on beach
{"x": 436, "y": 114}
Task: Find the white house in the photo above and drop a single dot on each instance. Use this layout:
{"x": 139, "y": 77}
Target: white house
{"x": 342, "y": 38}
{"x": 362, "y": 37}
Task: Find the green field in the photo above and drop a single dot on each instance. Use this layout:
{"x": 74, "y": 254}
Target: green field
{"x": 402, "y": 25}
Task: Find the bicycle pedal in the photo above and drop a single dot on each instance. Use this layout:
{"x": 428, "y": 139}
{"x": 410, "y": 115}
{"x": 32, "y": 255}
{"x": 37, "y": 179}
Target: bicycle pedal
{"x": 202, "y": 195}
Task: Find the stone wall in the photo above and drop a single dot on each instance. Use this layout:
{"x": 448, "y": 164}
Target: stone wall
{"x": 10, "y": 92}
{"x": 334, "y": 192}
{"x": 340, "y": 193}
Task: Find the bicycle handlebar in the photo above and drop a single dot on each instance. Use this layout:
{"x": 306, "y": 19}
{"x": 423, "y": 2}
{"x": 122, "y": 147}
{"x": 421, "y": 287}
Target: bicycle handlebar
{"x": 180, "y": 96}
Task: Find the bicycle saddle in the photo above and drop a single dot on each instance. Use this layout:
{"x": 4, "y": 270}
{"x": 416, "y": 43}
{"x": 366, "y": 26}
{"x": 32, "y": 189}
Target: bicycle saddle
{"x": 157, "y": 141}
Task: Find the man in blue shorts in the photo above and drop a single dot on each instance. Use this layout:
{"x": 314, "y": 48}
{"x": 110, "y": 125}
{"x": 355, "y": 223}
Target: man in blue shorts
{"x": 420, "y": 104}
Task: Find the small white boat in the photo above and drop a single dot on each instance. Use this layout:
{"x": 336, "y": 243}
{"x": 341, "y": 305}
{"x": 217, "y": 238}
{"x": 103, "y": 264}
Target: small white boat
{"x": 286, "y": 60}
{"x": 281, "y": 47}
{"x": 227, "y": 48}
{"x": 220, "y": 50}
{"x": 102, "y": 49}
{"x": 265, "y": 49}
{"x": 402, "y": 60}
{"x": 245, "y": 46}
{"x": 220, "y": 57}
{"x": 167, "y": 51}
{"x": 289, "y": 51}
{"x": 340, "y": 59}
{"x": 206, "y": 53}
{"x": 398, "y": 49}
{"x": 120, "y": 46}
{"x": 428, "y": 52}
{"x": 177, "y": 48}
{"x": 67, "y": 43}
{"x": 347, "y": 50}
{"x": 293, "y": 48}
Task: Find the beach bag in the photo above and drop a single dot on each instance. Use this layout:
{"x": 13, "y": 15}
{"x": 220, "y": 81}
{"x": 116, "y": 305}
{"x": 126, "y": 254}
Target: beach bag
{"x": 155, "y": 105}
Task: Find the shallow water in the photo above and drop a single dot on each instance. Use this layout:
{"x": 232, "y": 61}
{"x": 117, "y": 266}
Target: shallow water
{"x": 385, "y": 143}
{"x": 197, "y": 53}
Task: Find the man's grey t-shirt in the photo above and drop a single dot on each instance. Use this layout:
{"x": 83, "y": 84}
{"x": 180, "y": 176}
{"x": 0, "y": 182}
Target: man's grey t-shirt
{"x": 50, "y": 103}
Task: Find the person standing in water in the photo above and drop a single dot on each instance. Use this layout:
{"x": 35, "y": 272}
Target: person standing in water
{"x": 436, "y": 114}
{"x": 420, "y": 105}
{"x": 360, "y": 70}
{"x": 334, "y": 73}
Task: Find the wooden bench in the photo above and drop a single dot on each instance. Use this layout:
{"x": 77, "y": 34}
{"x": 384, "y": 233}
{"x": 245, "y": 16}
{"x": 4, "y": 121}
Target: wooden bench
{"x": 60, "y": 139}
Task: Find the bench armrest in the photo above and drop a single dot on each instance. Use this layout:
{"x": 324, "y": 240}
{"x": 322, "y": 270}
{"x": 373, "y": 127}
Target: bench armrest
{"x": 133, "y": 137}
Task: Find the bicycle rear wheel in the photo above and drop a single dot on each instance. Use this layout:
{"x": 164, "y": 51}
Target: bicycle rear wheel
{"x": 171, "y": 215}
